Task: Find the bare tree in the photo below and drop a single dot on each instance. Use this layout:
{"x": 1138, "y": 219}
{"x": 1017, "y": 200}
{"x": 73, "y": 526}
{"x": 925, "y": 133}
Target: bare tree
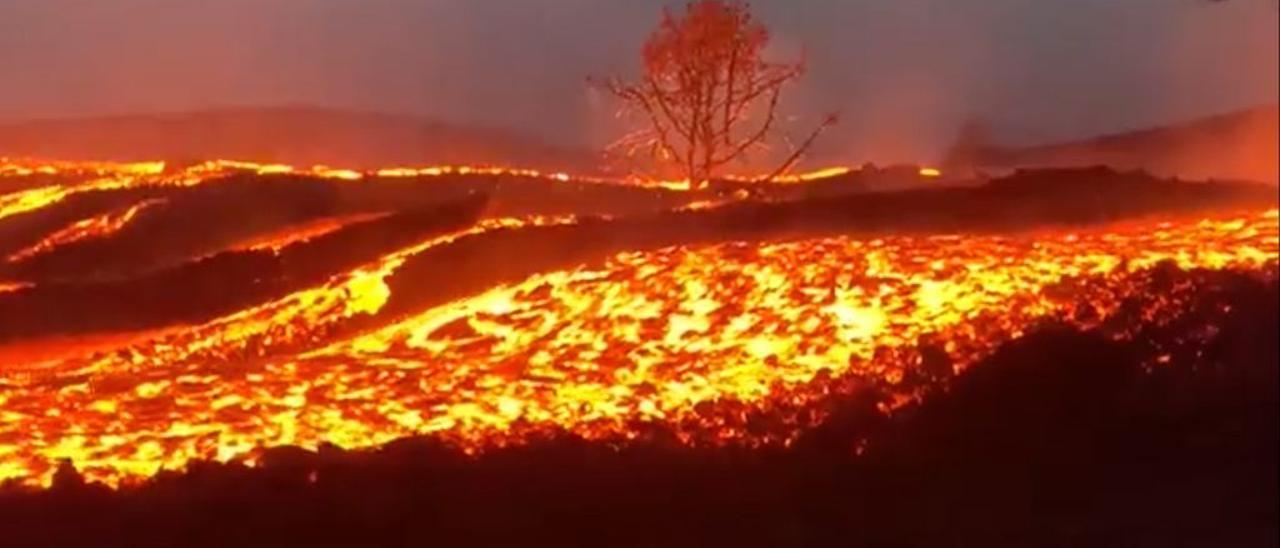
{"x": 708, "y": 96}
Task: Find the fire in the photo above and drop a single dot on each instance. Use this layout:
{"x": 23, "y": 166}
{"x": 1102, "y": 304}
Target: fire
{"x": 100, "y": 226}
{"x": 666, "y": 336}
{"x": 930, "y": 172}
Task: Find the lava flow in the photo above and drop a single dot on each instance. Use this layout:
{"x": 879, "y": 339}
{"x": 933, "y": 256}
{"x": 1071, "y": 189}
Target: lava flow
{"x": 81, "y": 177}
{"x": 673, "y": 337}
{"x": 91, "y": 176}
{"x": 100, "y": 226}
{"x": 302, "y": 232}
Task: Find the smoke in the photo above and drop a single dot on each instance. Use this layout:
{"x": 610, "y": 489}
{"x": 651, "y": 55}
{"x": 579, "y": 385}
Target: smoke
{"x": 908, "y": 75}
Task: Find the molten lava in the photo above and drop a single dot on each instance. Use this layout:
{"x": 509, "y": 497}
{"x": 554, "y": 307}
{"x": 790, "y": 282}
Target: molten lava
{"x": 302, "y": 232}
{"x": 12, "y": 286}
{"x": 674, "y": 337}
{"x": 81, "y": 177}
{"x": 90, "y": 176}
{"x": 100, "y": 226}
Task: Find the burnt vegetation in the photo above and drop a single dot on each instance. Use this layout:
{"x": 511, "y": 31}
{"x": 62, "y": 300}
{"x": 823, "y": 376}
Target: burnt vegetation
{"x": 708, "y": 97}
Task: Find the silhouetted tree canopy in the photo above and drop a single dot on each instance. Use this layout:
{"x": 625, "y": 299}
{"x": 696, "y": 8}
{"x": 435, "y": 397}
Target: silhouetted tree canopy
{"x": 708, "y": 96}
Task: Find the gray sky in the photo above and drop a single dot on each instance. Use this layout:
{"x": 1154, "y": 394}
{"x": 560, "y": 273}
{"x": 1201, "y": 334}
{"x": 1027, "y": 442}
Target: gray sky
{"x": 904, "y": 73}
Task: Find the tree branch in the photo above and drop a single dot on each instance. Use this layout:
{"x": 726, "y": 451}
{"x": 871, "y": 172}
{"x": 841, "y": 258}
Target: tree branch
{"x": 829, "y": 121}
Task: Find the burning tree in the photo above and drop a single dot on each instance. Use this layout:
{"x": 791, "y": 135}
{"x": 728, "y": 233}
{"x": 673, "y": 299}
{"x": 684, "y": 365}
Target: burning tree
{"x": 707, "y": 95}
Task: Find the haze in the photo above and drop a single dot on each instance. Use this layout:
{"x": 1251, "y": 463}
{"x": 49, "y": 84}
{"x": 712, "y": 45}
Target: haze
{"x": 904, "y": 73}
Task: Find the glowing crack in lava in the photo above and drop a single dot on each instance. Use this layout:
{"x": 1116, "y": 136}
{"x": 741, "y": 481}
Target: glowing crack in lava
{"x": 302, "y": 232}
{"x": 664, "y": 337}
{"x": 100, "y": 226}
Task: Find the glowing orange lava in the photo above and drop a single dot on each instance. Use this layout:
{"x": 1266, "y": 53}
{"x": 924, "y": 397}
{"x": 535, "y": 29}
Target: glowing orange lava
{"x": 302, "y": 232}
{"x": 100, "y": 226}
{"x": 108, "y": 176}
{"x": 6, "y": 287}
{"x": 646, "y": 336}
{"x": 86, "y": 176}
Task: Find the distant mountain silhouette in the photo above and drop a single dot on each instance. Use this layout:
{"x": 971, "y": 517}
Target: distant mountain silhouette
{"x": 1237, "y": 145}
{"x": 293, "y": 135}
